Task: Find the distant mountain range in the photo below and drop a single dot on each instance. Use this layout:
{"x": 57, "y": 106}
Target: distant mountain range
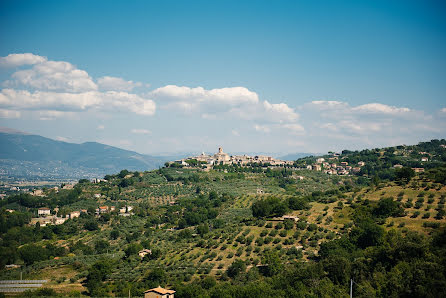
{"x": 31, "y": 156}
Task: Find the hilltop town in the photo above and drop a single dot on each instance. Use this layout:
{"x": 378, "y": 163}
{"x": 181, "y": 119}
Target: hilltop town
{"x": 206, "y": 161}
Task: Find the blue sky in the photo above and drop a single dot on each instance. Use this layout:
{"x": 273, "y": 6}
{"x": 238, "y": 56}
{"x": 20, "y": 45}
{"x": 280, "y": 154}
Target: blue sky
{"x": 251, "y": 76}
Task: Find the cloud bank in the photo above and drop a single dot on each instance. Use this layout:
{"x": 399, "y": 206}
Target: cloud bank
{"x": 46, "y": 85}
{"x": 41, "y": 89}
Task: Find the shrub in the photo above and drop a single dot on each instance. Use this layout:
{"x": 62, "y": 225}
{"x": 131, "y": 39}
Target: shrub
{"x": 415, "y": 214}
{"x": 273, "y": 233}
{"x": 312, "y": 227}
{"x": 237, "y": 267}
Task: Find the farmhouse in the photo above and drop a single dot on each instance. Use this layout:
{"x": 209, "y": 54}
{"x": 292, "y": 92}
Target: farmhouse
{"x": 159, "y": 293}
{"x": 144, "y": 252}
{"x": 43, "y": 211}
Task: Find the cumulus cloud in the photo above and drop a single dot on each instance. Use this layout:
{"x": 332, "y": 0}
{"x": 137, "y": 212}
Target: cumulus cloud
{"x": 188, "y": 100}
{"x": 15, "y": 60}
{"x": 22, "y": 99}
{"x": 141, "y": 131}
{"x": 53, "y": 76}
{"x": 371, "y": 108}
{"x": 116, "y": 84}
{"x": 238, "y": 102}
{"x": 380, "y": 108}
{"x": 368, "y": 124}
{"x": 280, "y": 112}
{"x": 328, "y": 104}
{"x": 59, "y": 86}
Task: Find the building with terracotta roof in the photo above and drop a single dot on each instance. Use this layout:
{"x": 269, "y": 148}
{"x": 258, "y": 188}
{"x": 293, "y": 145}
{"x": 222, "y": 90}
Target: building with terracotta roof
{"x": 159, "y": 293}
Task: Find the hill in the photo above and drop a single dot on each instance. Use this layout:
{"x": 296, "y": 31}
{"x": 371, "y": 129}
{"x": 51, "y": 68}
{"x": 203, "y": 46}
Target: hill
{"x": 236, "y": 232}
{"x": 32, "y": 156}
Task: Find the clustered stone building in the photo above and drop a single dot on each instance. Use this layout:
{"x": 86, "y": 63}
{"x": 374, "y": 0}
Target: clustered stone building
{"x": 223, "y": 158}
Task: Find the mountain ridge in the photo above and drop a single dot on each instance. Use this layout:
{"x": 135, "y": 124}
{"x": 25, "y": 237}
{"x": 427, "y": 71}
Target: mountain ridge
{"x": 26, "y": 153}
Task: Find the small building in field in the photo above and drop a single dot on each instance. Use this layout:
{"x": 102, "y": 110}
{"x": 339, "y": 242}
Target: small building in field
{"x": 159, "y": 293}
{"x": 44, "y": 211}
{"x": 291, "y": 217}
{"x": 320, "y": 160}
{"x": 75, "y": 214}
{"x": 102, "y": 209}
{"x": 144, "y": 252}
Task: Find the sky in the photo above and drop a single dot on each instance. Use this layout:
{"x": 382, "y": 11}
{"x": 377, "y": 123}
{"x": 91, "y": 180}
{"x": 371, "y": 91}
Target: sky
{"x": 162, "y": 77}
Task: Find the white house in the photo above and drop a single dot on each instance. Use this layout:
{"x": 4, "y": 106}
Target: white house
{"x": 44, "y": 211}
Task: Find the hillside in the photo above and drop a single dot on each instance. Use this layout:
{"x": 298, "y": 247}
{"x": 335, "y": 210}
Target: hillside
{"x": 236, "y": 232}
{"x": 33, "y": 156}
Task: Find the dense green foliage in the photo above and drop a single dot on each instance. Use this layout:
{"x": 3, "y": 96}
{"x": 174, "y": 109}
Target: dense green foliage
{"x": 219, "y": 233}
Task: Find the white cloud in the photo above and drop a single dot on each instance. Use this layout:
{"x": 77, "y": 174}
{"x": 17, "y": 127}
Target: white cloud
{"x": 443, "y": 110}
{"x": 371, "y": 124}
{"x": 235, "y": 133}
{"x": 53, "y": 76}
{"x": 10, "y": 114}
{"x": 141, "y": 131}
{"x": 100, "y": 127}
{"x": 108, "y": 101}
{"x": 186, "y": 99}
{"x": 15, "y": 60}
{"x": 116, "y": 84}
{"x": 328, "y": 104}
{"x": 230, "y": 96}
{"x": 280, "y": 111}
{"x": 379, "y": 108}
